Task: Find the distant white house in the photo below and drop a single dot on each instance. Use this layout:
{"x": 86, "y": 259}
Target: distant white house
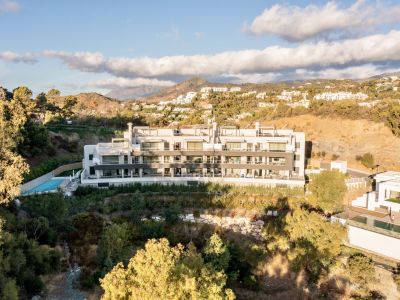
{"x": 266, "y": 104}
{"x": 261, "y": 95}
{"x": 368, "y": 104}
{"x": 328, "y": 96}
{"x": 288, "y": 95}
{"x": 217, "y": 89}
{"x": 247, "y": 94}
{"x": 302, "y": 103}
{"x": 340, "y": 165}
{"x": 235, "y": 89}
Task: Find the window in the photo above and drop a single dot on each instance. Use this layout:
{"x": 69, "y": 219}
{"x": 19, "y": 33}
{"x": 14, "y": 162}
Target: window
{"x": 277, "y": 161}
{"x": 90, "y": 156}
{"x": 195, "y": 145}
{"x": 177, "y": 146}
{"x": 92, "y": 171}
{"x": 280, "y": 147}
{"x": 151, "y": 159}
{"x": 107, "y": 173}
{"x": 297, "y": 157}
{"x": 233, "y": 159}
{"x": 125, "y": 159}
{"x": 233, "y": 146}
{"x": 110, "y": 159}
{"x": 150, "y": 145}
{"x": 194, "y": 159}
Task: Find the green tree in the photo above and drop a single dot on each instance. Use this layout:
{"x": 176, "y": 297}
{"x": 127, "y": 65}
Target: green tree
{"x": 361, "y": 272}
{"x": 329, "y": 188}
{"x": 9, "y": 291}
{"x": 367, "y": 159}
{"x": 113, "y": 246}
{"x": 163, "y": 272}
{"x": 217, "y": 253}
{"x": 13, "y": 116}
{"x": 311, "y": 243}
{"x": 68, "y": 106}
{"x": 53, "y": 93}
{"x": 393, "y": 119}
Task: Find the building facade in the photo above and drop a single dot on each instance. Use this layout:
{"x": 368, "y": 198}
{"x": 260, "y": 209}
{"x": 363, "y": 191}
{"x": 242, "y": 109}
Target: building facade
{"x": 386, "y": 194}
{"x": 258, "y": 156}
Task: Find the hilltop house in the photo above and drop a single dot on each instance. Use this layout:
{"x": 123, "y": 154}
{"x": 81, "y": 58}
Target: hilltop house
{"x": 225, "y": 154}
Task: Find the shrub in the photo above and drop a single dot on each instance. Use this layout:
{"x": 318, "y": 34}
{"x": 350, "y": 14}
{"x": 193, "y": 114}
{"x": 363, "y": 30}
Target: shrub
{"x": 329, "y": 188}
{"x": 367, "y": 159}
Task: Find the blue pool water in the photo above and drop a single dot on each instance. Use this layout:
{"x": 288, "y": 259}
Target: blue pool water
{"x": 47, "y": 186}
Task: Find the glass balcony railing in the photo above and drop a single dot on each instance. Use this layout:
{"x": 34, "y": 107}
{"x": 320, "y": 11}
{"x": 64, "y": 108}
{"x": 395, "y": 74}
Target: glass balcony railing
{"x": 374, "y": 225}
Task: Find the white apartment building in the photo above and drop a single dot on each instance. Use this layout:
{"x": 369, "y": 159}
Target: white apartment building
{"x": 235, "y": 89}
{"x": 386, "y": 195}
{"x": 219, "y": 154}
{"x": 261, "y": 95}
{"x": 340, "y": 96}
{"x": 288, "y": 95}
{"x": 247, "y": 94}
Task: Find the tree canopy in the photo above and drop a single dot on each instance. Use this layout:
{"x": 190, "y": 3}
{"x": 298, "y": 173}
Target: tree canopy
{"x": 160, "y": 271}
{"x": 329, "y": 188}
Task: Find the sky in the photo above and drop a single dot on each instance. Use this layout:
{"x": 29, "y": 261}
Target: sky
{"x": 98, "y": 45}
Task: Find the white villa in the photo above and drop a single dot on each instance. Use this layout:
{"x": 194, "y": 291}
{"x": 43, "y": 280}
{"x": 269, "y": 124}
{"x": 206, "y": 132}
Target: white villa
{"x": 386, "y": 195}
{"x": 220, "y": 154}
{"x": 373, "y": 220}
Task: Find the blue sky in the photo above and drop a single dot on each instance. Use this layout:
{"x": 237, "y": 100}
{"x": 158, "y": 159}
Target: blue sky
{"x": 131, "y": 30}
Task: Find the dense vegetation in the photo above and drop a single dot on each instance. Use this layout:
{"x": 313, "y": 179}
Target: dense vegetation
{"x": 119, "y": 234}
{"x": 105, "y": 228}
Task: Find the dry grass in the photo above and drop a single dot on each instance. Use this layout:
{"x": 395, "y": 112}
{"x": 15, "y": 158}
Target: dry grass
{"x": 347, "y": 138}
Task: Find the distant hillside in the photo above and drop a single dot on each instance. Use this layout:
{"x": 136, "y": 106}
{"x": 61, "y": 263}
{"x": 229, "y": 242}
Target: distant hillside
{"x": 385, "y": 75}
{"x": 93, "y": 104}
{"x": 172, "y": 92}
{"x": 138, "y": 92}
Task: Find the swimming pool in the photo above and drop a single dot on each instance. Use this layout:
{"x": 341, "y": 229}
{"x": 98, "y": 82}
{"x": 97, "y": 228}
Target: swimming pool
{"x": 48, "y": 186}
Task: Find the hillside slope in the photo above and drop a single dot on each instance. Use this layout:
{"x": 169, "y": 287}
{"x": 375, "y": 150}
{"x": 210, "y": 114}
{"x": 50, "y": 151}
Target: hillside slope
{"x": 94, "y": 104}
{"x": 347, "y": 138}
{"x": 193, "y": 84}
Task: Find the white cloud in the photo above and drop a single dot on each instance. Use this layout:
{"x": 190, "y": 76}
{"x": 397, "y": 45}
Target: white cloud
{"x": 9, "y": 6}
{"x": 353, "y": 72}
{"x": 296, "y": 23}
{"x": 252, "y": 78}
{"x": 15, "y": 57}
{"x": 120, "y": 82}
{"x": 376, "y": 49}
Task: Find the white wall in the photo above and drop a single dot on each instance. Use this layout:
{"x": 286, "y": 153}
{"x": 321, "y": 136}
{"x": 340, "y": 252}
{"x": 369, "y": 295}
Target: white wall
{"x": 375, "y": 242}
